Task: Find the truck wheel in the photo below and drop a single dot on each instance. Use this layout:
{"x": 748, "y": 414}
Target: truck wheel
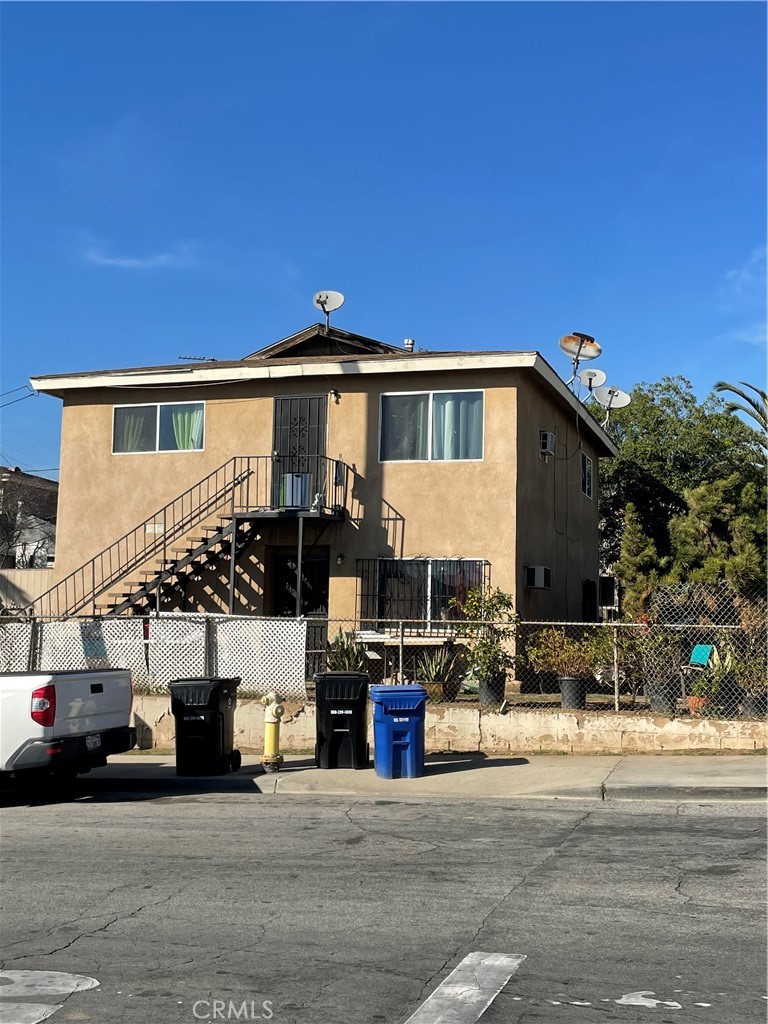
{"x": 235, "y": 761}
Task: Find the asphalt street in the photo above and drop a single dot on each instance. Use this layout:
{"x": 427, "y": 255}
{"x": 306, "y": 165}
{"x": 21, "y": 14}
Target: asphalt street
{"x": 321, "y": 910}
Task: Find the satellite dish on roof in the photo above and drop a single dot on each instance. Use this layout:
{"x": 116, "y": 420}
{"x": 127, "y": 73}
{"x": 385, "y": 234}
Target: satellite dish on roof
{"x": 579, "y": 347}
{"x": 592, "y": 378}
{"x": 611, "y": 398}
{"x": 328, "y": 302}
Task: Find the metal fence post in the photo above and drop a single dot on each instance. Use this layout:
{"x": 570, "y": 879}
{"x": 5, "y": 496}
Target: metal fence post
{"x": 34, "y": 640}
{"x": 402, "y": 638}
{"x": 210, "y": 647}
{"x": 616, "y": 667}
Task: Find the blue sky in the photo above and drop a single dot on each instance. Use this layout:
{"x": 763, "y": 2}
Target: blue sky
{"x": 180, "y": 178}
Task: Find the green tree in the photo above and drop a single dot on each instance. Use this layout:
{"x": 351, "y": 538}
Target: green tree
{"x": 721, "y": 535}
{"x": 755, "y": 406}
{"x": 669, "y": 443}
{"x": 639, "y": 568}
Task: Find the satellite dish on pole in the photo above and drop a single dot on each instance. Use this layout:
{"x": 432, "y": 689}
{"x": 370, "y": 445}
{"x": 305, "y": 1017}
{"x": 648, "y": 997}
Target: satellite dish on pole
{"x": 611, "y": 398}
{"x": 328, "y": 302}
{"x": 580, "y": 347}
{"x": 592, "y": 379}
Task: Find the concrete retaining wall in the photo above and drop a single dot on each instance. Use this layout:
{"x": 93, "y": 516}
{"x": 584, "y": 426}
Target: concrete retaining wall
{"x": 465, "y": 729}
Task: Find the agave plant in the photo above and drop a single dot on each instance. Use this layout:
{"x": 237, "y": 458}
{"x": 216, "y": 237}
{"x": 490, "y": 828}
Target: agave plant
{"x": 345, "y": 654}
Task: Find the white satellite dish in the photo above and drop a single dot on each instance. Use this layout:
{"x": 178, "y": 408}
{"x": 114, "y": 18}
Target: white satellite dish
{"x": 592, "y": 378}
{"x": 611, "y": 398}
{"x": 328, "y": 301}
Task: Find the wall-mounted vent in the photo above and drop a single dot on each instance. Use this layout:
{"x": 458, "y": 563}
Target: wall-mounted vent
{"x": 538, "y": 577}
{"x": 547, "y": 442}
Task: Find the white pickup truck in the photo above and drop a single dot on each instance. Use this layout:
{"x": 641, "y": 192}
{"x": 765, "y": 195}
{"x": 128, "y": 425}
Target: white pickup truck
{"x": 63, "y": 723}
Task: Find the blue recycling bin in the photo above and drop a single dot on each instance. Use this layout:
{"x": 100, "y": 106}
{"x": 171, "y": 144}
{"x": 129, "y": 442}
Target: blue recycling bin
{"x": 398, "y": 730}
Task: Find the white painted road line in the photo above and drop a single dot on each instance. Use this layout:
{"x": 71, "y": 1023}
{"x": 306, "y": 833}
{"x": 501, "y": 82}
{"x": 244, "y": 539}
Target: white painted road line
{"x": 21, "y": 984}
{"x": 17, "y": 984}
{"x": 25, "y": 1013}
{"x": 468, "y": 990}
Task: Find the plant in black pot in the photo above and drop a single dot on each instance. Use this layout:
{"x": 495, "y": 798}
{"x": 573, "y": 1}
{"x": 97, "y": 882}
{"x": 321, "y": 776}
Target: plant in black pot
{"x": 571, "y": 659}
{"x": 661, "y": 655}
{"x": 489, "y": 623}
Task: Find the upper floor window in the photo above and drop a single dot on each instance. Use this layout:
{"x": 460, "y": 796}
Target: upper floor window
{"x": 586, "y": 475}
{"x": 431, "y": 426}
{"x": 172, "y": 427}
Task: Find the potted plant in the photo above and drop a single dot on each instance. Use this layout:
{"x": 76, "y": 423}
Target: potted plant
{"x": 345, "y": 654}
{"x": 490, "y": 623}
{"x": 571, "y": 659}
{"x": 708, "y": 683}
{"x": 439, "y": 673}
{"x": 661, "y": 654}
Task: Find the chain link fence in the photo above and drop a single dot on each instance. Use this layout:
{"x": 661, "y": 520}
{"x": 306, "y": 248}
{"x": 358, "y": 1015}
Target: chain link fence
{"x": 703, "y": 652}
{"x": 266, "y": 654}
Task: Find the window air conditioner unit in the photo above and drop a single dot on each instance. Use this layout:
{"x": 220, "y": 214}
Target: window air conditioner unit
{"x": 547, "y": 443}
{"x": 538, "y": 577}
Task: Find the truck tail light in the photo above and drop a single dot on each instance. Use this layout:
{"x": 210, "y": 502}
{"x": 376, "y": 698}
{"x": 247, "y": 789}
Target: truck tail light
{"x": 43, "y": 709}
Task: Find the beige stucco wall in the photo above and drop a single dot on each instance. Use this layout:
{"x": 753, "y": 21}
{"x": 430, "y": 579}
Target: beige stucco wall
{"x": 557, "y": 525}
{"x": 438, "y": 509}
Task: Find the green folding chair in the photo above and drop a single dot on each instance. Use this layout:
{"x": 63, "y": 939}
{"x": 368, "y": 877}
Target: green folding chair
{"x": 701, "y": 655}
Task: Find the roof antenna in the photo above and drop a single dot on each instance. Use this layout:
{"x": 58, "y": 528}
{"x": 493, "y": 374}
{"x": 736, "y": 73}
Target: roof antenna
{"x": 328, "y": 302}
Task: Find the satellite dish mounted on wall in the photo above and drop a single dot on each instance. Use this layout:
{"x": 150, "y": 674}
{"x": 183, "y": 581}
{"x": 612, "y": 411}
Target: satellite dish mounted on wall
{"x": 580, "y": 347}
{"x": 328, "y": 302}
{"x": 611, "y": 398}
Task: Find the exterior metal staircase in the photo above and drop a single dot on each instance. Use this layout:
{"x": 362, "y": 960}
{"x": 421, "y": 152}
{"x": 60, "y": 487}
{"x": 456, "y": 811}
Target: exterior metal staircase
{"x": 226, "y": 509}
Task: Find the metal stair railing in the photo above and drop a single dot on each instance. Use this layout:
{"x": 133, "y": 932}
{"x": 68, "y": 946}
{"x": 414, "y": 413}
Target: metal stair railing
{"x": 244, "y": 483}
{"x": 81, "y": 587}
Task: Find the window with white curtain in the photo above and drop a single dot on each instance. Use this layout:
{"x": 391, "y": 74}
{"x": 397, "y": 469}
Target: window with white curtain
{"x": 171, "y": 427}
{"x": 439, "y": 426}
{"x": 586, "y": 475}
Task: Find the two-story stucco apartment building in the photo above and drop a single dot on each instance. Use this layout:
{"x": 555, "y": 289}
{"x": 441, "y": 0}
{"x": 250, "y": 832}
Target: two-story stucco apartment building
{"x": 356, "y": 479}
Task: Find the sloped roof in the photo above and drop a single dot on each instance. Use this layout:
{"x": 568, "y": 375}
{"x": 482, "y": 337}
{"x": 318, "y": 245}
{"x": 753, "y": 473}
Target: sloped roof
{"x": 317, "y": 341}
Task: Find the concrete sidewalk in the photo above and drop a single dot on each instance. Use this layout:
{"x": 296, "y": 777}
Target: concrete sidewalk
{"x": 470, "y": 777}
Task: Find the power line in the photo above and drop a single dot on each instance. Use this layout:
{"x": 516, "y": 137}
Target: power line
{"x": 17, "y": 400}
{"x": 13, "y": 390}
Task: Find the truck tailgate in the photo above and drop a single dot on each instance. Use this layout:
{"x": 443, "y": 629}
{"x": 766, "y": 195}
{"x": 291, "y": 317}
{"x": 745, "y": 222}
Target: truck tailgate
{"x": 91, "y": 701}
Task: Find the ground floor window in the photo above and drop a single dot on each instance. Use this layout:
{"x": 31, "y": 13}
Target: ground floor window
{"x": 417, "y": 589}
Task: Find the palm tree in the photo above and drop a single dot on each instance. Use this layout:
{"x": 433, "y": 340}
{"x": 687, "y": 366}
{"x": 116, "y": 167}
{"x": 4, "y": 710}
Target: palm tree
{"x": 755, "y": 406}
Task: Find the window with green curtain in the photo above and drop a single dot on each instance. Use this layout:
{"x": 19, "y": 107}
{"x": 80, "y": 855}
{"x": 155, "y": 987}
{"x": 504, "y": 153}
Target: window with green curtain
{"x": 181, "y": 427}
{"x": 457, "y": 425}
{"x": 135, "y": 429}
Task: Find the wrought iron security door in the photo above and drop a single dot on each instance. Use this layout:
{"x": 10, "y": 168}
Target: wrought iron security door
{"x": 299, "y": 451}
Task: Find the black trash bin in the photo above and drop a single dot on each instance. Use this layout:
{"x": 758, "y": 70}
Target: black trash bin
{"x": 204, "y": 710}
{"x": 342, "y": 720}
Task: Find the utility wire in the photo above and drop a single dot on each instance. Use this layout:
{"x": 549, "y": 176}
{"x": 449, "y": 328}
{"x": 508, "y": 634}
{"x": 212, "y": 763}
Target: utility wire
{"x": 13, "y": 390}
{"x": 16, "y": 400}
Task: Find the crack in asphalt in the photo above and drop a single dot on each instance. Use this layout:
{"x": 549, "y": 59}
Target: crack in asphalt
{"x": 678, "y": 887}
{"x": 472, "y": 942}
{"x": 87, "y": 935}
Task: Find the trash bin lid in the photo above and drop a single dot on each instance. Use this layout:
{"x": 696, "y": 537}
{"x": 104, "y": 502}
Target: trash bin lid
{"x": 341, "y": 685}
{"x": 201, "y": 691}
{"x": 400, "y": 697}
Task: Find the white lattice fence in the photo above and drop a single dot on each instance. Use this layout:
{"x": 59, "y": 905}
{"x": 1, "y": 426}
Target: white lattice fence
{"x": 267, "y": 654}
{"x": 15, "y": 638}
{"x": 176, "y": 650}
{"x": 76, "y": 644}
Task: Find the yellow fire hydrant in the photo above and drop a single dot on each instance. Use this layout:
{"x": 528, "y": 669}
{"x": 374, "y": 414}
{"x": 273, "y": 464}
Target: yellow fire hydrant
{"x": 271, "y": 759}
